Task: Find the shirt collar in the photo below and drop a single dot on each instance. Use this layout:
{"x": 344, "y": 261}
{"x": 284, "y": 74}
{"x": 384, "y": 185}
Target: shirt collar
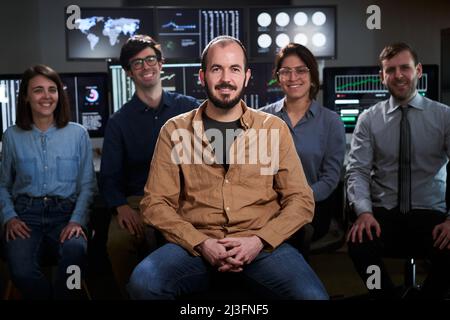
{"x": 416, "y": 102}
{"x": 141, "y": 106}
{"x": 312, "y": 110}
{"x": 39, "y": 132}
{"x": 246, "y": 118}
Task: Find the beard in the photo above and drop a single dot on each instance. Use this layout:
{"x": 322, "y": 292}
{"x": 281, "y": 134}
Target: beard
{"x": 224, "y": 103}
{"x": 408, "y": 94}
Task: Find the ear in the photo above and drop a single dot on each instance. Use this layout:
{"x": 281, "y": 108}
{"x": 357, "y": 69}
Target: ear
{"x": 129, "y": 73}
{"x": 248, "y": 75}
{"x": 419, "y": 70}
{"x": 201, "y": 76}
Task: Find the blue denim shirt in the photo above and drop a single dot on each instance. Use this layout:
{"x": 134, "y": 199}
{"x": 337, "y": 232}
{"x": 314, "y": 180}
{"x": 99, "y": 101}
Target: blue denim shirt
{"x": 319, "y": 138}
{"x": 57, "y": 162}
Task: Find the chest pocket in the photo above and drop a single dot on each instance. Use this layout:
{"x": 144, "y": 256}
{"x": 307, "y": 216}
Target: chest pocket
{"x": 67, "y": 169}
{"x": 26, "y": 170}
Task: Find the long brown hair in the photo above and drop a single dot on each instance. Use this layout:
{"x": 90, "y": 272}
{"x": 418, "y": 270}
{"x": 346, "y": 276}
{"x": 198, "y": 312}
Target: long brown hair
{"x": 24, "y": 118}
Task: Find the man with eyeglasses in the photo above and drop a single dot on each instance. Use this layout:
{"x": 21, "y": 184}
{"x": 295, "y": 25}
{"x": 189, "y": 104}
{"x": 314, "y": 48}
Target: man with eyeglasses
{"x": 129, "y": 142}
{"x": 318, "y": 132}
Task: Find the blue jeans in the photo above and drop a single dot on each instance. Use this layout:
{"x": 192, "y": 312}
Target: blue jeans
{"x": 46, "y": 219}
{"x": 171, "y": 271}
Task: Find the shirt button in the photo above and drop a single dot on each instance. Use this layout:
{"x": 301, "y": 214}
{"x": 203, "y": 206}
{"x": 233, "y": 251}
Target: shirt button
{"x": 45, "y": 185}
{"x": 45, "y": 150}
{"x": 227, "y": 208}
{"x": 156, "y": 117}
{"x": 227, "y": 181}
{"x": 45, "y": 167}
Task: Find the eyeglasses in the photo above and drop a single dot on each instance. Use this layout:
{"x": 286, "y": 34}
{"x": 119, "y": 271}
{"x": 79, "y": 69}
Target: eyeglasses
{"x": 285, "y": 73}
{"x": 138, "y": 64}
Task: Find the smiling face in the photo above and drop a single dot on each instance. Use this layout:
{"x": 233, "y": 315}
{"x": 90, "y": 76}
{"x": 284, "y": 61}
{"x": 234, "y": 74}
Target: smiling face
{"x": 295, "y": 86}
{"x": 147, "y": 76}
{"x": 400, "y": 75}
{"x": 225, "y": 76}
{"x": 42, "y": 96}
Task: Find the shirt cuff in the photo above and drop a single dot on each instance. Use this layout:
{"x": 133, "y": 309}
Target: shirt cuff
{"x": 362, "y": 206}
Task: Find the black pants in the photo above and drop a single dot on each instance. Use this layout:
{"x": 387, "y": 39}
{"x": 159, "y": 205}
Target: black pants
{"x": 404, "y": 236}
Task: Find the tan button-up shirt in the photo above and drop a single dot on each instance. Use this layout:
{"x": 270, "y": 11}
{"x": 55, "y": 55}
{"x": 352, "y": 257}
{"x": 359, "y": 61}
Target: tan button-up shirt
{"x": 190, "y": 198}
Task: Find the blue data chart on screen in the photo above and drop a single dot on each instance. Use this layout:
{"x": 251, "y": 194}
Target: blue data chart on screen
{"x": 184, "y": 32}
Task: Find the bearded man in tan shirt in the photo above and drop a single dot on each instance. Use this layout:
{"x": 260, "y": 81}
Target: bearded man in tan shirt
{"x": 226, "y": 188}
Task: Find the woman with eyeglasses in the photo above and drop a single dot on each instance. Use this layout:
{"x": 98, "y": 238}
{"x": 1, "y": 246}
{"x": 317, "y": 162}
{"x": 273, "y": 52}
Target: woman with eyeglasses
{"x": 47, "y": 182}
{"x": 318, "y": 132}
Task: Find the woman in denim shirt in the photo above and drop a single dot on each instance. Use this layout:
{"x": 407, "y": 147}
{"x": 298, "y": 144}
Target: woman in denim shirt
{"x": 47, "y": 182}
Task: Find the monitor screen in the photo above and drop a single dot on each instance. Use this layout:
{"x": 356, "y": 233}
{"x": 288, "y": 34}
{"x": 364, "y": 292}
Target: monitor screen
{"x": 184, "y": 32}
{"x": 101, "y": 32}
{"x": 350, "y": 90}
{"x": 9, "y": 92}
{"x": 262, "y": 88}
{"x": 272, "y": 28}
{"x": 88, "y": 98}
{"x": 178, "y": 77}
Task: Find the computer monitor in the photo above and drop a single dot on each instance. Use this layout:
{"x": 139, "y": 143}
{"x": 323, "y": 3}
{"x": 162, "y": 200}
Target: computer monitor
{"x": 262, "y": 89}
{"x": 272, "y": 28}
{"x": 88, "y": 97}
{"x": 351, "y": 90}
{"x": 9, "y": 92}
{"x": 101, "y": 32}
{"x": 184, "y": 32}
{"x": 178, "y": 77}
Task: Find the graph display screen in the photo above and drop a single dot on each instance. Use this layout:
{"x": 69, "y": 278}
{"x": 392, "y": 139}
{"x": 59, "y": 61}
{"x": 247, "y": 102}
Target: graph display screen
{"x": 88, "y": 99}
{"x": 184, "y": 32}
{"x": 100, "y": 33}
{"x": 262, "y": 88}
{"x": 351, "y": 90}
{"x": 9, "y": 92}
{"x": 179, "y": 77}
{"x": 272, "y": 28}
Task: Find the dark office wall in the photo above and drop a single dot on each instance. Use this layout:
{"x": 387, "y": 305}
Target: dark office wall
{"x": 33, "y": 31}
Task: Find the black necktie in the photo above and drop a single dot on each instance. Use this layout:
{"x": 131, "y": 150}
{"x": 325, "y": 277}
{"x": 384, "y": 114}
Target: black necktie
{"x": 404, "y": 164}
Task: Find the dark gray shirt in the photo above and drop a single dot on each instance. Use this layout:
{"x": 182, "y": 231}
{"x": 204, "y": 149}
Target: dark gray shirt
{"x": 372, "y": 170}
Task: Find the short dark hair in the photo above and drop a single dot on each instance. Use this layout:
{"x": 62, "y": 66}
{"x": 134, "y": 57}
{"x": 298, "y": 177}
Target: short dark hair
{"x": 393, "y": 49}
{"x": 136, "y": 44}
{"x": 307, "y": 57}
{"x": 223, "y": 41}
{"x": 24, "y": 118}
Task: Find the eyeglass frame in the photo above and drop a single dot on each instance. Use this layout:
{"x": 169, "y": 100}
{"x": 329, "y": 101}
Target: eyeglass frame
{"x": 145, "y": 60}
{"x": 305, "y": 70}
